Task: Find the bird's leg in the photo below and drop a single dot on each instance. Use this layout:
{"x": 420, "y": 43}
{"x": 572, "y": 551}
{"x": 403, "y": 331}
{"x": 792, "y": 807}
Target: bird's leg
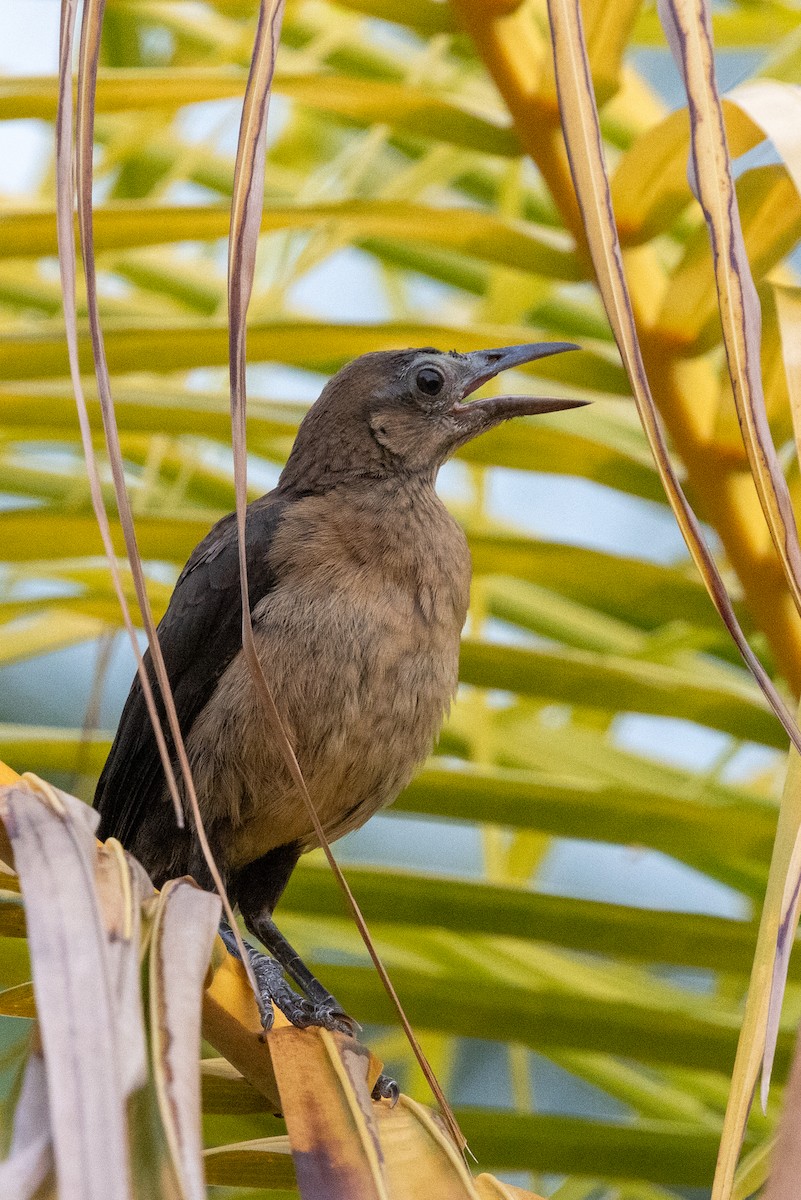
{"x": 273, "y": 987}
{"x": 257, "y": 889}
{"x": 325, "y": 1009}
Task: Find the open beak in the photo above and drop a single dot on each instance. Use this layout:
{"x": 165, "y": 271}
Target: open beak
{"x": 486, "y": 364}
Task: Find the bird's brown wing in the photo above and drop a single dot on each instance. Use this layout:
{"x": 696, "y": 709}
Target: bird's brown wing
{"x": 200, "y": 634}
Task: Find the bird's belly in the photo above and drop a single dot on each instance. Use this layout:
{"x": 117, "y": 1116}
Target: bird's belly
{"x": 362, "y": 690}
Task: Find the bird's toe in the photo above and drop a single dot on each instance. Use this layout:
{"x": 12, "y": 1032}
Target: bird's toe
{"x": 297, "y": 1010}
{"x": 302, "y": 1013}
{"x": 331, "y": 1016}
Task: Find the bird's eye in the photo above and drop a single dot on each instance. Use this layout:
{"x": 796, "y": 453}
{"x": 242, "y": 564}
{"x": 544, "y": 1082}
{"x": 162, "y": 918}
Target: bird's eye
{"x": 430, "y": 381}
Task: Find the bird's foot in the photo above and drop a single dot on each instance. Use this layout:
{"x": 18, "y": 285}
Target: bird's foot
{"x": 272, "y": 987}
{"x": 301, "y": 1012}
{"x": 274, "y": 990}
{"x": 329, "y": 1015}
{"x": 385, "y": 1088}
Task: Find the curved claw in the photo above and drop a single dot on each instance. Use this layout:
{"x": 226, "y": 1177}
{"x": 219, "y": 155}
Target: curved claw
{"x": 386, "y": 1089}
{"x": 296, "y": 1010}
{"x": 335, "y": 1020}
{"x": 266, "y": 1012}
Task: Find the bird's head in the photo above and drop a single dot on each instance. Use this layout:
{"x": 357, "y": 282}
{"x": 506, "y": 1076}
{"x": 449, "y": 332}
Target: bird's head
{"x": 402, "y": 413}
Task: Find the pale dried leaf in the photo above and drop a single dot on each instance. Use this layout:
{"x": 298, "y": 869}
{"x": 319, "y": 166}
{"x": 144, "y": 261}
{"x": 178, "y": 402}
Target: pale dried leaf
{"x": 687, "y": 26}
{"x": 322, "y": 1079}
{"x": 780, "y": 910}
{"x": 788, "y": 310}
{"x": 91, "y": 30}
{"x": 30, "y": 1157}
{"x": 54, "y": 851}
{"x": 65, "y": 198}
{"x": 184, "y": 928}
{"x": 583, "y": 139}
{"x": 785, "y": 938}
{"x": 246, "y": 206}
{"x": 752, "y": 1040}
{"x": 120, "y": 900}
{"x": 420, "y": 1158}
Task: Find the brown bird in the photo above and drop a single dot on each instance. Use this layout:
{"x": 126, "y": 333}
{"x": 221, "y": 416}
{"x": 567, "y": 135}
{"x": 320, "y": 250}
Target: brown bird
{"x": 359, "y": 584}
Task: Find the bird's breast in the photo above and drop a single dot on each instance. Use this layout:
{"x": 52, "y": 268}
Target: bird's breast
{"x": 360, "y": 645}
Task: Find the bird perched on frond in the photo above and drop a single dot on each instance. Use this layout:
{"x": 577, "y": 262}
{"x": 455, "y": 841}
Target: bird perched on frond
{"x": 359, "y": 584}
